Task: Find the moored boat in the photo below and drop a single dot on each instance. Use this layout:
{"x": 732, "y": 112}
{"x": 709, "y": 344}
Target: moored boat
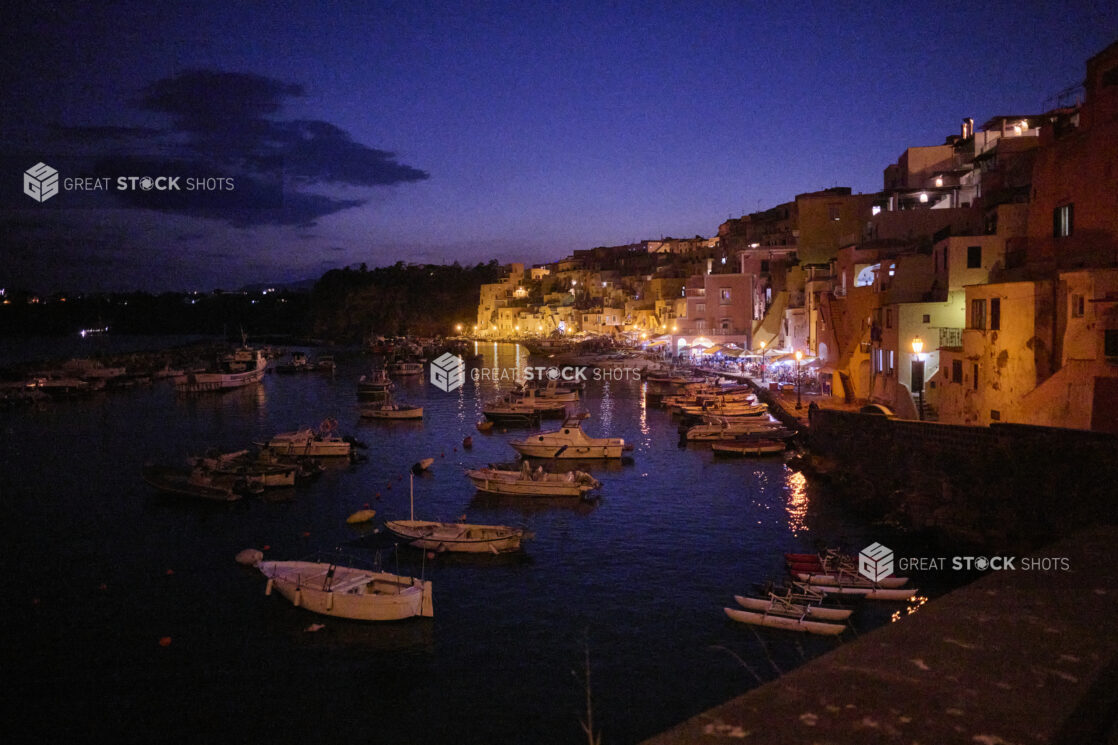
{"x": 197, "y": 483}
{"x": 245, "y": 367}
{"x": 748, "y": 447}
{"x": 390, "y": 409}
{"x": 308, "y": 442}
{"x": 784, "y": 622}
{"x": 570, "y": 441}
{"x": 460, "y": 537}
{"x": 781, "y": 605}
{"x": 526, "y": 482}
{"x": 348, "y": 592}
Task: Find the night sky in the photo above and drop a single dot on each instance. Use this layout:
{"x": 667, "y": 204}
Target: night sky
{"x": 424, "y": 131}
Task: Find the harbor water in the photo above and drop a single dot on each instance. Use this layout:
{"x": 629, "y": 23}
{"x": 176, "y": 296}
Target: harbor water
{"x": 128, "y": 618}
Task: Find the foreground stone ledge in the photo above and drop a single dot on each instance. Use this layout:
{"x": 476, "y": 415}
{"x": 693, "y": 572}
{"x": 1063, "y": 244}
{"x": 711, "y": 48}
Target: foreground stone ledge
{"x": 1015, "y": 657}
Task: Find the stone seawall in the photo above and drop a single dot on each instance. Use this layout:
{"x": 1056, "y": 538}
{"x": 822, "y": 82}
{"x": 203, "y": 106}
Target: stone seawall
{"x": 1010, "y": 485}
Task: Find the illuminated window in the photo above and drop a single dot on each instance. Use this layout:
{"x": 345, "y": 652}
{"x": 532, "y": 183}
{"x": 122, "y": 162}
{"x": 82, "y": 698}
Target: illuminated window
{"x": 875, "y": 210}
{"x": 725, "y": 294}
{"x": 1062, "y": 221}
{"x": 833, "y": 211}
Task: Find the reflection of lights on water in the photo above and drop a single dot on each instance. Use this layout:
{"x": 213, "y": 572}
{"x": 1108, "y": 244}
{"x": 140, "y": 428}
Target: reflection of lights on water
{"x": 915, "y": 603}
{"x": 644, "y": 409}
{"x": 797, "y": 502}
{"x": 607, "y": 404}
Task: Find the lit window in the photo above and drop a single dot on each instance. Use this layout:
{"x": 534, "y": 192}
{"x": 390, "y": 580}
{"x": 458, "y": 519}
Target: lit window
{"x": 725, "y": 294}
{"x": 875, "y": 210}
{"x": 1062, "y": 221}
{"x": 923, "y": 197}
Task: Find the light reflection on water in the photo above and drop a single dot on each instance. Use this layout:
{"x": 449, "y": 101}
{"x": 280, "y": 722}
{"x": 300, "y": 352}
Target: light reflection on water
{"x": 647, "y": 567}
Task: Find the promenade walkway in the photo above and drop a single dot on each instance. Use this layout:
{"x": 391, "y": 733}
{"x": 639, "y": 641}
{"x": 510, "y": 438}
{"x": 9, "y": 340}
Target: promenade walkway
{"x": 1022, "y": 656}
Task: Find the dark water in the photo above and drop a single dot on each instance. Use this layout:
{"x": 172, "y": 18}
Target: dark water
{"x": 99, "y": 568}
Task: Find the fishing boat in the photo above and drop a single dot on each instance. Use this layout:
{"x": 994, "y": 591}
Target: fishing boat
{"x": 405, "y": 369}
{"x": 390, "y": 409}
{"x": 551, "y": 391}
{"x": 375, "y": 384}
{"x": 320, "y": 443}
{"x": 735, "y": 410}
{"x": 242, "y": 465}
{"x": 748, "y": 447}
{"x": 197, "y": 482}
{"x": 790, "y": 623}
{"x": 538, "y": 483}
{"x": 725, "y": 430}
{"x": 570, "y": 441}
{"x": 511, "y": 410}
{"x": 782, "y": 605}
{"x": 245, "y": 367}
{"x": 299, "y": 363}
{"x": 461, "y": 537}
{"x": 330, "y": 589}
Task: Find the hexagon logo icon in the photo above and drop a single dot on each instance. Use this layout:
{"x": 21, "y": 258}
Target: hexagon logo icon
{"x": 448, "y": 372}
{"x": 875, "y": 562}
{"x": 40, "y": 182}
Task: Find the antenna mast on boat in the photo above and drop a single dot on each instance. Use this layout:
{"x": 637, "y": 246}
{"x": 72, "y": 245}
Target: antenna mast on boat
{"x": 411, "y": 493}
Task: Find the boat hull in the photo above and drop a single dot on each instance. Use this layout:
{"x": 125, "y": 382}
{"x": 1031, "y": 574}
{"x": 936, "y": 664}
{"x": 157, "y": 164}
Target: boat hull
{"x": 888, "y": 583}
{"x": 355, "y": 594}
{"x": 811, "y": 612}
{"x": 526, "y": 487}
{"x": 220, "y": 381}
{"x": 581, "y": 452}
{"x": 456, "y": 537}
{"x": 783, "y": 622}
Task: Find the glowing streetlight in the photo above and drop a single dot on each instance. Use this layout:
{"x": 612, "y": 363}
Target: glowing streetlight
{"x": 918, "y": 375}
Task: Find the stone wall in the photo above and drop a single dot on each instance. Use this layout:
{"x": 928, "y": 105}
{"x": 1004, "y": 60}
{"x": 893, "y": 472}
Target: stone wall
{"x": 1005, "y": 485}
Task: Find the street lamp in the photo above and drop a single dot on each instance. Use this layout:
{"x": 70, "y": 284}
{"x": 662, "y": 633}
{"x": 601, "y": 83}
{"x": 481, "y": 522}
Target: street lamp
{"x": 762, "y": 362}
{"x": 799, "y": 356}
{"x": 918, "y": 374}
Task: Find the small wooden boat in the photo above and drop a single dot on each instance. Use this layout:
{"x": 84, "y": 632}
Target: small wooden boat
{"x": 484, "y": 426}
{"x": 421, "y": 466}
{"x": 307, "y": 442}
{"x": 785, "y": 622}
{"x": 348, "y": 592}
{"x": 405, "y": 369}
{"x": 197, "y": 482}
{"x": 375, "y": 384}
{"x": 461, "y": 537}
{"x": 390, "y": 409}
{"x": 748, "y": 447}
{"x": 725, "y": 430}
{"x": 526, "y": 482}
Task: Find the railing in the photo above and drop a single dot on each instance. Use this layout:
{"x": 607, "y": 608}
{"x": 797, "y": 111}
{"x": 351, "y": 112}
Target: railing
{"x": 950, "y": 337}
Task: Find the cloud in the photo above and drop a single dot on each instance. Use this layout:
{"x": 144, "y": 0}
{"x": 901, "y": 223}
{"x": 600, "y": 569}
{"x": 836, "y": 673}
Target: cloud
{"x": 287, "y": 172}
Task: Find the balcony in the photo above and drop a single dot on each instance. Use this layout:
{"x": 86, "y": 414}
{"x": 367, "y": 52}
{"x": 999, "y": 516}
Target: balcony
{"x": 950, "y": 338}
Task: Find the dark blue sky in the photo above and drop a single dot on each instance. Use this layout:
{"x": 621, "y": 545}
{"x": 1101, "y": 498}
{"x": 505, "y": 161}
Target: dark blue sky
{"x": 467, "y": 131}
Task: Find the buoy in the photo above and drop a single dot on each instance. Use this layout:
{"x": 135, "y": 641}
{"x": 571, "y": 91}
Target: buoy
{"x": 165, "y": 641}
{"x": 361, "y": 516}
{"x": 248, "y": 557}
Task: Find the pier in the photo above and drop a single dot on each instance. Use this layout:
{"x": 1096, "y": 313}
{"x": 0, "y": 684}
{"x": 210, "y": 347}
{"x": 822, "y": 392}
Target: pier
{"x": 1018, "y": 656}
